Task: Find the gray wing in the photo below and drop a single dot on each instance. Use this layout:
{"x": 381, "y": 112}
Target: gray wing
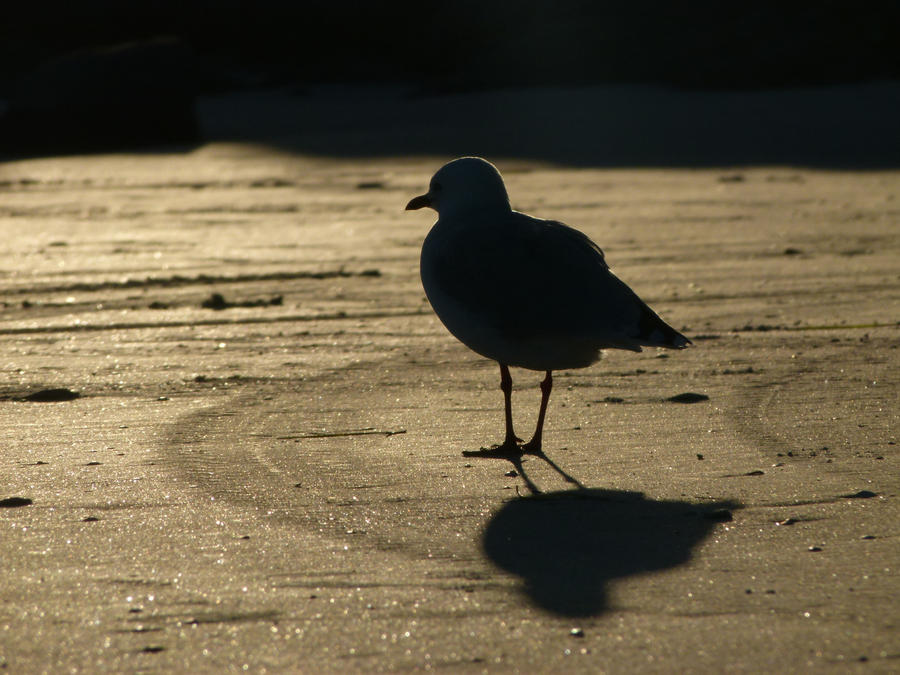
{"x": 536, "y": 278}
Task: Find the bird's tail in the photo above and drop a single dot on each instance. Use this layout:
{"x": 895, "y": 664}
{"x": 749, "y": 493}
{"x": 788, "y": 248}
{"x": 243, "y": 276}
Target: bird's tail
{"x": 654, "y": 332}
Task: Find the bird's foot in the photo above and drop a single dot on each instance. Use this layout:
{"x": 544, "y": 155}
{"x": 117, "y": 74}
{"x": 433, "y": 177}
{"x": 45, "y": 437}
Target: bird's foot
{"x": 532, "y": 447}
{"x": 509, "y": 448}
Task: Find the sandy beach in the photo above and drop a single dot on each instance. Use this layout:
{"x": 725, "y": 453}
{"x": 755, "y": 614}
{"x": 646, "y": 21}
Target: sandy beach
{"x": 264, "y": 470}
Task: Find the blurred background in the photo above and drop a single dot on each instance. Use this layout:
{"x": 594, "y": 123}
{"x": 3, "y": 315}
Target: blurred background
{"x": 98, "y": 74}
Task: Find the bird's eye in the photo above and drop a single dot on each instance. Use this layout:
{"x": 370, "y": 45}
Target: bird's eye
{"x": 435, "y": 187}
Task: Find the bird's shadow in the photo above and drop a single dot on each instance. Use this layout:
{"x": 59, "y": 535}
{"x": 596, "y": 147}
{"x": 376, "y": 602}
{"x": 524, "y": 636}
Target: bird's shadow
{"x": 567, "y": 546}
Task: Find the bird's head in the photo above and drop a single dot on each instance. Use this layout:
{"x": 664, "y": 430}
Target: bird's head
{"x": 464, "y": 184}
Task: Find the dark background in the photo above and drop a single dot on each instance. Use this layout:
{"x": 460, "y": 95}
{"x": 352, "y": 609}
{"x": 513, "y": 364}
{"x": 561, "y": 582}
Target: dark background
{"x": 485, "y": 43}
{"x": 71, "y": 87}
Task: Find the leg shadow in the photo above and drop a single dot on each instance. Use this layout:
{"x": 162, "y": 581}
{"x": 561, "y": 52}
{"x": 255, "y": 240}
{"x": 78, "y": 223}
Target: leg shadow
{"x": 568, "y": 546}
{"x": 515, "y": 458}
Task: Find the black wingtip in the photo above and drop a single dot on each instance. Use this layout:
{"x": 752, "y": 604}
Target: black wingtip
{"x": 681, "y": 342}
{"x": 657, "y": 333}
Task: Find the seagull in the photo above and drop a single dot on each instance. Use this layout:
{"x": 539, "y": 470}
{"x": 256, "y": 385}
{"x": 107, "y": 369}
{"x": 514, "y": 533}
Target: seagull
{"x": 522, "y": 291}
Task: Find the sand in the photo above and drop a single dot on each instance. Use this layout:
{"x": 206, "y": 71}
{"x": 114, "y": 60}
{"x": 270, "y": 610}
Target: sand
{"x": 276, "y": 481}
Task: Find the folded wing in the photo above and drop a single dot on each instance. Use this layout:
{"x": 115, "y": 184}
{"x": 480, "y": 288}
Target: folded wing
{"x": 534, "y": 279}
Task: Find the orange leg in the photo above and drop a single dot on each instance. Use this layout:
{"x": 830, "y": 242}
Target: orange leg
{"x": 511, "y": 441}
{"x": 534, "y": 445}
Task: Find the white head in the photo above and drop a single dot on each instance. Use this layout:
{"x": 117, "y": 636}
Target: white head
{"x": 467, "y": 183}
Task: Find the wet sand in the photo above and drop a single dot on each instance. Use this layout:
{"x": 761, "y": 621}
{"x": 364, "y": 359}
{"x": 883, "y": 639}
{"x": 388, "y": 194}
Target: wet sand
{"x": 276, "y": 481}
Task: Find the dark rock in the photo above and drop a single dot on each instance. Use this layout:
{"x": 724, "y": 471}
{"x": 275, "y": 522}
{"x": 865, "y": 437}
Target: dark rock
{"x": 15, "y": 502}
{"x": 215, "y": 301}
{"x": 52, "y": 395}
{"x": 862, "y": 494}
{"x": 153, "y": 649}
{"x": 688, "y": 397}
